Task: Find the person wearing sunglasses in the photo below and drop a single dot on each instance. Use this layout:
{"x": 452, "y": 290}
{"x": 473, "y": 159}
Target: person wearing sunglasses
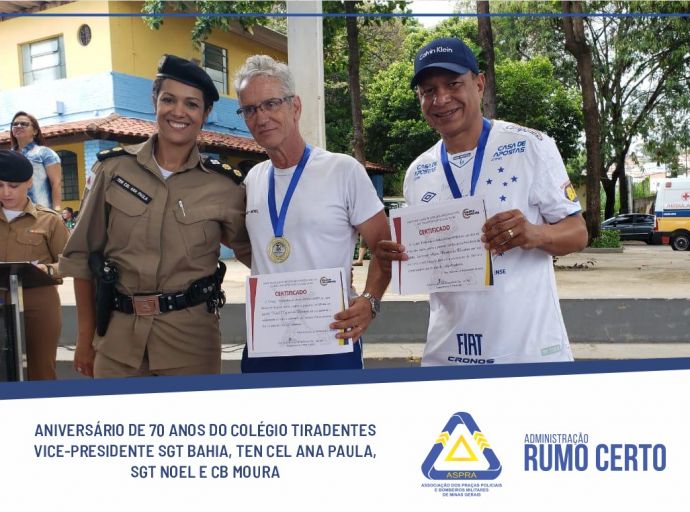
{"x": 150, "y": 227}
{"x": 35, "y": 233}
{"x": 27, "y": 138}
{"x": 324, "y": 200}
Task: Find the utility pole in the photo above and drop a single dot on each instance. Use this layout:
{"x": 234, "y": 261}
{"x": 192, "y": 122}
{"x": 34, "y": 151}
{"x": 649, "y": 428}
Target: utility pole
{"x": 305, "y": 57}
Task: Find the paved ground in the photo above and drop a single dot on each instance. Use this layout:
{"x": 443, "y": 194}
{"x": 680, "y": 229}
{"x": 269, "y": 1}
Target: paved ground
{"x": 641, "y": 271}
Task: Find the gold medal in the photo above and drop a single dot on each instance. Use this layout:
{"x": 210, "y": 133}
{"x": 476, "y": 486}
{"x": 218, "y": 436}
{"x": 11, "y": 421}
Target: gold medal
{"x": 278, "y": 249}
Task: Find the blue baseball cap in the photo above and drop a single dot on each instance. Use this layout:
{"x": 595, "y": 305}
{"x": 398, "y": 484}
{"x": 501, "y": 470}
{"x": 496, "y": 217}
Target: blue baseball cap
{"x": 445, "y": 53}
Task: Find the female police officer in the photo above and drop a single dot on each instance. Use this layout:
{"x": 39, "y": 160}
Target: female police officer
{"x": 158, "y": 213}
{"x": 31, "y": 232}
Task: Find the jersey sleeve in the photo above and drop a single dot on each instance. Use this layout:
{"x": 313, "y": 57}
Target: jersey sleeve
{"x": 552, "y": 192}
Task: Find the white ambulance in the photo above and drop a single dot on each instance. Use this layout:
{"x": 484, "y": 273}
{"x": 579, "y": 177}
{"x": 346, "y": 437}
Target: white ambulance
{"x": 672, "y": 211}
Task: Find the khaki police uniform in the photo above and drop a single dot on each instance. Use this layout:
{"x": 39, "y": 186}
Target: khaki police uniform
{"x": 38, "y": 235}
{"x": 162, "y": 235}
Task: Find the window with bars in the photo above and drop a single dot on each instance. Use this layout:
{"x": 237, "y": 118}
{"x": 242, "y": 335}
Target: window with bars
{"x": 43, "y": 61}
{"x": 70, "y": 175}
{"x": 215, "y": 63}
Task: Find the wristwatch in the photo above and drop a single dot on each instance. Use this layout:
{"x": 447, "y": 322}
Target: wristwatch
{"x": 375, "y": 303}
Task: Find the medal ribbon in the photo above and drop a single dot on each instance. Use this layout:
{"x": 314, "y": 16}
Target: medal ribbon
{"x": 476, "y": 167}
{"x": 278, "y": 221}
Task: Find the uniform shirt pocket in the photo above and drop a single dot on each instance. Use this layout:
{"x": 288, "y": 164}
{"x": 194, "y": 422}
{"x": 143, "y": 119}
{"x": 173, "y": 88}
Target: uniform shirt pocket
{"x": 32, "y": 244}
{"x": 200, "y": 228}
{"x": 125, "y": 217}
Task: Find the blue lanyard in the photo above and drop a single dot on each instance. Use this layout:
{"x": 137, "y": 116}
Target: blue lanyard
{"x": 476, "y": 168}
{"x": 278, "y": 221}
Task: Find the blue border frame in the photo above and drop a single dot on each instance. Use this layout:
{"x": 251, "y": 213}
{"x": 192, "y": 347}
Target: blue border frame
{"x": 74, "y": 388}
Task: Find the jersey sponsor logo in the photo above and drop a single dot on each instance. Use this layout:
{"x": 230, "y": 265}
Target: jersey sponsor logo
{"x": 428, "y": 197}
{"x": 469, "y": 349}
{"x": 461, "y": 452}
{"x": 509, "y": 149}
{"x": 569, "y": 192}
{"x": 255, "y": 210}
{"x": 521, "y": 129}
{"x": 132, "y": 189}
{"x": 424, "y": 169}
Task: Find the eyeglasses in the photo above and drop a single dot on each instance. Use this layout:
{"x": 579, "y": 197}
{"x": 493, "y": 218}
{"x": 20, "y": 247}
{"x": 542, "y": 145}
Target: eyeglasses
{"x": 21, "y": 124}
{"x": 269, "y": 105}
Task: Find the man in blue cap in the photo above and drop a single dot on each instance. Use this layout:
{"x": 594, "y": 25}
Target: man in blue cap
{"x": 533, "y": 214}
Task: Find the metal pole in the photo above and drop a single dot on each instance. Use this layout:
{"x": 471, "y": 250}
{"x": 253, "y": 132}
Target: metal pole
{"x": 17, "y": 299}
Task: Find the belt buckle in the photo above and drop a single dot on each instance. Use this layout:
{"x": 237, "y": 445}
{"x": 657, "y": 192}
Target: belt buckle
{"x": 146, "y": 305}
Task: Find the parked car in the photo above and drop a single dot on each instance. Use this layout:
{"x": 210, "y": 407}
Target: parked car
{"x": 632, "y": 226}
{"x": 390, "y": 203}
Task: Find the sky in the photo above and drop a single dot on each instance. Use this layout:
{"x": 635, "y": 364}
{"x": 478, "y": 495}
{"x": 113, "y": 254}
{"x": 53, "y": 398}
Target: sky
{"x": 431, "y": 6}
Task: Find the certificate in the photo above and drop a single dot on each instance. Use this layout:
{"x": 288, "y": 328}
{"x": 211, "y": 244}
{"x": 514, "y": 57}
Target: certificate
{"x": 288, "y": 313}
{"x": 444, "y": 246}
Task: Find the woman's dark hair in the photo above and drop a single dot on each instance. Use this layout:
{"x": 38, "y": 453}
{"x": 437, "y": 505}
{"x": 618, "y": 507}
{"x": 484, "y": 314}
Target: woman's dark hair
{"x": 156, "y": 89}
{"x": 38, "y": 136}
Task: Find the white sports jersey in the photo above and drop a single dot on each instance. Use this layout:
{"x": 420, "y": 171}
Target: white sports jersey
{"x": 519, "y": 319}
{"x": 333, "y": 195}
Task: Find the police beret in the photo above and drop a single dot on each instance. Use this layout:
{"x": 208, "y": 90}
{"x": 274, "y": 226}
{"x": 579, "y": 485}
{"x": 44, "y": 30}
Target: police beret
{"x": 182, "y": 70}
{"x": 14, "y": 167}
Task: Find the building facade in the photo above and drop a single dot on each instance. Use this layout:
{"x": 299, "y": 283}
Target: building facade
{"x": 85, "y": 70}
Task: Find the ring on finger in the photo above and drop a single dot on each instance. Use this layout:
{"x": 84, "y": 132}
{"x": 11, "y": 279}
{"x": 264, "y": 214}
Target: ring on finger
{"x": 510, "y": 234}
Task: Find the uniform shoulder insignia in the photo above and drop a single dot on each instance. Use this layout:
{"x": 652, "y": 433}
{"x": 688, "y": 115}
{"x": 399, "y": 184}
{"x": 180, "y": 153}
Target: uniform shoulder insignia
{"x": 109, "y": 153}
{"x": 226, "y": 170}
{"x": 42, "y": 208}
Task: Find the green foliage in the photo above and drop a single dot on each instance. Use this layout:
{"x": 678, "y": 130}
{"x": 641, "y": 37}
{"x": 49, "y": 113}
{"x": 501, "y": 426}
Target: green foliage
{"x": 609, "y": 238}
{"x": 528, "y": 94}
{"x": 396, "y": 132}
{"x": 641, "y": 189}
{"x": 379, "y": 46}
{"x": 204, "y": 25}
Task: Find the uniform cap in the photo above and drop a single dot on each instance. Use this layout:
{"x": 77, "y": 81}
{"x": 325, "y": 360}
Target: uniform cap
{"x": 14, "y": 167}
{"x": 445, "y": 53}
{"x": 187, "y": 72}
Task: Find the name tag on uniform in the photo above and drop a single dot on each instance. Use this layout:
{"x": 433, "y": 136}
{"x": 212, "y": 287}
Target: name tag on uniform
{"x": 132, "y": 189}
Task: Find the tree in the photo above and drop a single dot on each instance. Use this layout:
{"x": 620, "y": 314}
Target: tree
{"x": 530, "y": 95}
{"x": 486, "y": 41}
{"x": 638, "y": 63}
{"x": 351, "y": 8}
{"x": 576, "y": 43}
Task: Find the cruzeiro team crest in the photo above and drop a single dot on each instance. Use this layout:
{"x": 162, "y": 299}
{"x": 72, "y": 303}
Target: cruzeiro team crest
{"x": 461, "y": 452}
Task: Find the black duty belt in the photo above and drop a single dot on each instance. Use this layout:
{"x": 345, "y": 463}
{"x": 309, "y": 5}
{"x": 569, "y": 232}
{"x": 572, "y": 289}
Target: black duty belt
{"x": 154, "y": 304}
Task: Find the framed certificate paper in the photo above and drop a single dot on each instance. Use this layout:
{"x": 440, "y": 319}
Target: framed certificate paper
{"x": 289, "y": 313}
{"x": 443, "y": 243}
